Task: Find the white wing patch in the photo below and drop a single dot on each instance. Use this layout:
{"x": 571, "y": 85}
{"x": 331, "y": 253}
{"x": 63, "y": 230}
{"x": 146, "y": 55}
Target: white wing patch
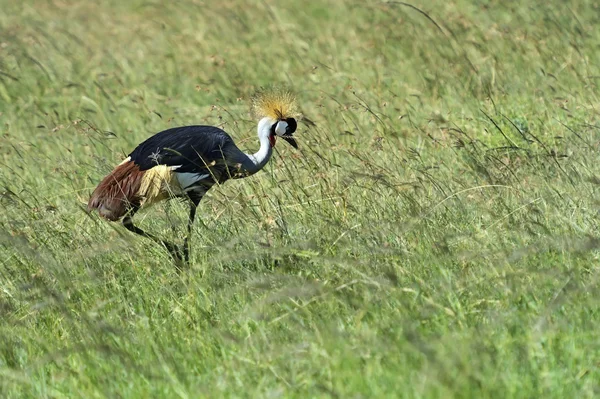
{"x": 125, "y": 161}
{"x": 187, "y": 179}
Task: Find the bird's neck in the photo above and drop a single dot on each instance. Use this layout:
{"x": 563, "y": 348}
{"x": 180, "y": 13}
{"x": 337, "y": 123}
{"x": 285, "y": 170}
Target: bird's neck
{"x": 259, "y": 159}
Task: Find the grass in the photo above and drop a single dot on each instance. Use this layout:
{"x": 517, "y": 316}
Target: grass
{"x": 436, "y": 235}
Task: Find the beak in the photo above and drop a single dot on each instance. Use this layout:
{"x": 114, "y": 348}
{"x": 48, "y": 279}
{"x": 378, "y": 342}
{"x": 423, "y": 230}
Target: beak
{"x": 290, "y": 139}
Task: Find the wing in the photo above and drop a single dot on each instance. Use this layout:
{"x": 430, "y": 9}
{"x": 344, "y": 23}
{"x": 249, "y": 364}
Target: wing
{"x": 190, "y": 149}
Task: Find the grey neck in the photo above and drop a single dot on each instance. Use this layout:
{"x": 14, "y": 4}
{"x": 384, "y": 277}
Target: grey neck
{"x": 252, "y": 163}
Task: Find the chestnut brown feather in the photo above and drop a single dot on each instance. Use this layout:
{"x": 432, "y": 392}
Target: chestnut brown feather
{"x": 118, "y": 192}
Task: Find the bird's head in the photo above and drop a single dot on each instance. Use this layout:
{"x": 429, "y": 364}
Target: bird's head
{"x": 276, "y": 108}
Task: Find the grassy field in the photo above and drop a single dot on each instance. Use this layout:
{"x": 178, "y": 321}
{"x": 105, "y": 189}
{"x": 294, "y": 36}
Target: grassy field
{"x": 436, "y": 235}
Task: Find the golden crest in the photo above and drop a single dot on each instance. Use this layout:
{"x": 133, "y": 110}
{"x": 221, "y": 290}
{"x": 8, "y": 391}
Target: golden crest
{"x": 275, "y": 103}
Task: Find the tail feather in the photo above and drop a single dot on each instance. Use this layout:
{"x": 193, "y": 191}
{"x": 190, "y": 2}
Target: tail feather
{"x": 118, "y": 192}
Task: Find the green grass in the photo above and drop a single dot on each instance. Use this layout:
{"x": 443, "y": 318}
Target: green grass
{"x": 436, "y": 236}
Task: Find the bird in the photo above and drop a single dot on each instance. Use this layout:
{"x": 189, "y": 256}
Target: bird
{"x": 185, "y": 162}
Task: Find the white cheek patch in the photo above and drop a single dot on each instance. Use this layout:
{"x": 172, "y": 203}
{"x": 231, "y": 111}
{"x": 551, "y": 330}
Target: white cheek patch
{"x": 281, "y": 128}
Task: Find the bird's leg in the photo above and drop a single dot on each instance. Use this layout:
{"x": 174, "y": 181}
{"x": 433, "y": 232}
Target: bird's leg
{"x": 186, "y": 245}
{"x": 128, "y": 223}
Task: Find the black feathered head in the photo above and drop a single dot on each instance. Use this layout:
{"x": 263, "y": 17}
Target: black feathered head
{"x": 280, "y": 106}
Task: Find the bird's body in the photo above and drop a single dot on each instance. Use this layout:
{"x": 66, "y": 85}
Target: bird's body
{"x": 186, "y": 162}
{"x": 178, "y": 162}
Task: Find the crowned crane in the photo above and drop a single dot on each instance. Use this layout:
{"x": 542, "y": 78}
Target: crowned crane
{"x": 185, "y": 162}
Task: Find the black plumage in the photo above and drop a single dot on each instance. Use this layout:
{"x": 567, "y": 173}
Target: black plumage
{"x": 191, "y": 149}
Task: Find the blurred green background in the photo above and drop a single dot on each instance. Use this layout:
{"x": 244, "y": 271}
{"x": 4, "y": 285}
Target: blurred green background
{"x": 436, "y": 235}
